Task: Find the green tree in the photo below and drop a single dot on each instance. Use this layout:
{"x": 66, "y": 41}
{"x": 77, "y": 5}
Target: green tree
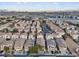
{"x": 6, "y": 49}
{"x": 5, "y": 30}
{"x": 15, "y": 30}
{"x": 13, "y": 16}
{"x": 35, "y": 49}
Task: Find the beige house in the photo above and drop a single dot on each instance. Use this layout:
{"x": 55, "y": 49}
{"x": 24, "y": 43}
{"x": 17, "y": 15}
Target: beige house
{"x": 29, "y": 43}
{"x": 23, "y": 36}
{"x": 41, "y": 42}
{"x": 49, "y": 36}
{"x": 19, "y": 44}
{"x": 7, "y": 44}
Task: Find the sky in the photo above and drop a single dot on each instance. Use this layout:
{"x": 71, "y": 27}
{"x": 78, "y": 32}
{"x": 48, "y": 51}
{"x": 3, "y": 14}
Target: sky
{"x": 33, "y": 6}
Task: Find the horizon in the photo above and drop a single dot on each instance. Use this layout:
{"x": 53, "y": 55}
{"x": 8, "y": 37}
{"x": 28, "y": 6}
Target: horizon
{"x": 39, "y": 6}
